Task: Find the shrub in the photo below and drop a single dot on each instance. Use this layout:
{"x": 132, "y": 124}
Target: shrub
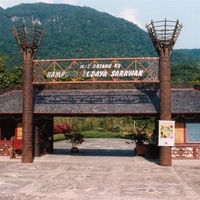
{"x": 74, "y": 137}
{"x": 61, "y": 128}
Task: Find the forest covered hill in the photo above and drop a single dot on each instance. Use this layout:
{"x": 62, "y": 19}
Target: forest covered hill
{"x": 82, "y": 32}
{"x": 73, "y": 32}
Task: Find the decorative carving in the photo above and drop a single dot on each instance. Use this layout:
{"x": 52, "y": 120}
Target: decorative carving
{"x": 197, "y": 152}
{"x": 6, "y": 148}
{"x": 182, "y": 152}
{"x": 3, "y": 149}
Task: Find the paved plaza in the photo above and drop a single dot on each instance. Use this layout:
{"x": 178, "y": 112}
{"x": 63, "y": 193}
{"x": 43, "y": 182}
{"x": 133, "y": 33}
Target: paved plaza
{"x": 104, "y": 169}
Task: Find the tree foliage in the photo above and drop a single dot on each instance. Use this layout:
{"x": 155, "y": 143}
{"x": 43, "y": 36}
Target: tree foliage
{"x": 186, "y": 72}
{"x": 4, "y": 79}
{"x": 7, "y": 77}
{"x": 4, "y": 75}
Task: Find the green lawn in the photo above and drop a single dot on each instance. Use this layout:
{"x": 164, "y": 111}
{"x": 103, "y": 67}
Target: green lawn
{"x": 97, "y": 134}
{"x": 91, "y": 134}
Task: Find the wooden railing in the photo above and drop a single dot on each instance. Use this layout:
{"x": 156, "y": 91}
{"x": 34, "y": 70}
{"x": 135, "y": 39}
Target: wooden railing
{"x": 186, "y": 152}
{"x": 8, "y": 146}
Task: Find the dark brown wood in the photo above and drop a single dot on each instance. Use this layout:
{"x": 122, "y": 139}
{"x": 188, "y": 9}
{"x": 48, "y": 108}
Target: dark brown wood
{"x": 37, "y": 141}
{"x": 164, "y": 35}
{"x": 165, "y": 156}
{"x": 165, "y": 88}
{"x": 93, "y": 82}
{"x": 49, "y": 130}
{"x": 165, "y": 103}
{"x": 28, "y": 46}
{"x": 27, "y": 116}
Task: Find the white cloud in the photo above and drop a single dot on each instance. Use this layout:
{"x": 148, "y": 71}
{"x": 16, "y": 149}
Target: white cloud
{"x": 3, "y": 4}
{"x": 130, "y": 15}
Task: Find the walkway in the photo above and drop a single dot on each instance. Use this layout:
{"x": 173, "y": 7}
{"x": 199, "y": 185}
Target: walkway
{"x": 105, "y": 169}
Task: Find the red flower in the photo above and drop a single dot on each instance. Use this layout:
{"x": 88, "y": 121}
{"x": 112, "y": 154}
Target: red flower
{"x": 61, "y": 128}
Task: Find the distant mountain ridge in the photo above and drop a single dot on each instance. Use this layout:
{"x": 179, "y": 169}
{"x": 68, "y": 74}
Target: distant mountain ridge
{"x": 78, "y": 32}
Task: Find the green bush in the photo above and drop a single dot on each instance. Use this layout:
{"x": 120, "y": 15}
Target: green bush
{"x": 58, "y": 137}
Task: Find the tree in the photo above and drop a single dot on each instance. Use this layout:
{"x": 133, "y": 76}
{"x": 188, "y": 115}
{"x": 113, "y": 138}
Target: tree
{"x": 4, "y": 75}
{"x": 16, "y": 78}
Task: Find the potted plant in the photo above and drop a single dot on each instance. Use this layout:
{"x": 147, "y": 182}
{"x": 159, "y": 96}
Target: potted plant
{"x": 141, "y": 143}
{"x": 72, "y": 136}
{"x": 139, "y": 138}
{"x": 75, "y": 138}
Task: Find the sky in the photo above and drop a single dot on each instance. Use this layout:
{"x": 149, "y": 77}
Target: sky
{"x": 141, "y": 12}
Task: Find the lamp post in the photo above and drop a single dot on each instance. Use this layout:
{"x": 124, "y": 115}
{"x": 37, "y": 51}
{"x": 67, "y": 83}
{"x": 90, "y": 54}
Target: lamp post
{"x": 28, "y": 41}
{"x": 164, "y": 35}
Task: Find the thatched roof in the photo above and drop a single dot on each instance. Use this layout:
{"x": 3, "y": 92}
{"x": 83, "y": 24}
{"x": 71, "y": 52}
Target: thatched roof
{"x": 128, "y": 101}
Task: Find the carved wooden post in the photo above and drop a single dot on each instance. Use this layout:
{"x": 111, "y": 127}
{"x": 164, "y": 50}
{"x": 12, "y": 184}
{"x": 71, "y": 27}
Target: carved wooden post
{"x": 27, "y": 116}
{"x": 164, "y": 35}
{"x": 28, "y": 42}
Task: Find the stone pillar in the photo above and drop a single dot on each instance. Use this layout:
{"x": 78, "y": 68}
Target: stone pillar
{"x": 27, "y": 116}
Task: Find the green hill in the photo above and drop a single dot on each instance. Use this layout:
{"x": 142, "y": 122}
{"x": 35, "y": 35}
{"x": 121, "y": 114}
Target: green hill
{"x": 73, "y": 32}
{"x": 82, "y": 32}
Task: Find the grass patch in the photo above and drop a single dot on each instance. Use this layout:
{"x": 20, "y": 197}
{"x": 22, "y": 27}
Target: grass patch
{"x": 58, "y": 137}
{"x": 91, "y": 134}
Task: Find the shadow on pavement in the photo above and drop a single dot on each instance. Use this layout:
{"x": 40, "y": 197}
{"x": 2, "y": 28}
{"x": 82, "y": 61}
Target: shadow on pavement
{"x": 96, "y": 152}
{"x": 104, "y": 153}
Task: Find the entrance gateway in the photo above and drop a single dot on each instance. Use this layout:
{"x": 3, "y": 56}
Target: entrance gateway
{"x": 92, "y": 71}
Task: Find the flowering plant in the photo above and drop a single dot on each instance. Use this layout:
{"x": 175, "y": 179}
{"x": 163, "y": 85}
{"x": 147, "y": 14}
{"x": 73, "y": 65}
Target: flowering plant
{"x": 72, "y": 136}
{"x": 61, "y": 128}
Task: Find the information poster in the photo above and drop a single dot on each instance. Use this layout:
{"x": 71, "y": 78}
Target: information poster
{"x": 166, "y": 133}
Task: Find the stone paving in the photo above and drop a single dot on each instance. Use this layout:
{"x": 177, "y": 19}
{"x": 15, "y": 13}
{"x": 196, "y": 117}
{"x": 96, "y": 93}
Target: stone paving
{"x": 104, "y": 169}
